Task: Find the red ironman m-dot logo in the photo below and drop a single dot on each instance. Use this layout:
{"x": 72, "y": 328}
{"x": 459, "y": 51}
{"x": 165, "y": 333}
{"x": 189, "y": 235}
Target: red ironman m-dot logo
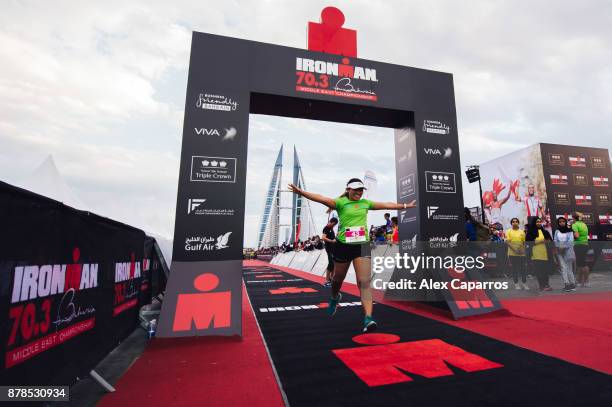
{"x": 328, "y": 36}
{"x": 385, "y": 362}
{"x": 205, "y": 308}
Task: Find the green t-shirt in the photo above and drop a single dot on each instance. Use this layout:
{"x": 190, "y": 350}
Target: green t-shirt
{"x": 353, "y": 216}
{"x": 583, "y": 232}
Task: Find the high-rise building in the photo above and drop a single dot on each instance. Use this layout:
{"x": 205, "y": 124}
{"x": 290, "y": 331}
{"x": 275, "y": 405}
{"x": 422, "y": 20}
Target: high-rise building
{"x": 302, "y": 224}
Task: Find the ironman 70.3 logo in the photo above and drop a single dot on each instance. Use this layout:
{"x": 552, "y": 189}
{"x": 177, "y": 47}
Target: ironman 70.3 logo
{"x": 330, "y": 78}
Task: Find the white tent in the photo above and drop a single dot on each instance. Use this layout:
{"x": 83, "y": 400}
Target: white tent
{"x": 46, "y": 180}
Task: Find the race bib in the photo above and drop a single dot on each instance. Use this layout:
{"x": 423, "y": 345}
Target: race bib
{"x": 355, "y": 234}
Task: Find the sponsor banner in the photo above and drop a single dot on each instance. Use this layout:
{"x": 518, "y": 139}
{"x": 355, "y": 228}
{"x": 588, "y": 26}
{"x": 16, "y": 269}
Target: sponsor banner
{"x": 601, "y": 182}
{"x": 201, "y": 243}
{"x": 435, "y": 127}
{"x": 438, "y": 152}
{"x": 406, "y": 186}
{"x": 558, "y": 179}
{"x": 556, "y": 159}
{"x": 199, "y": 207}
{"x": 605, "y": 219}
{"x": 437, "y": 213}
{"x": 598, "y": 162}
{"x": 577, "y": 161}
{"x": 213, "y": 169}
{"x": 440, "y": 182}
{"x": 221, "y": 134}
{"x": 583, "y": 200}
{"x": 588, "y": 218}
{"x": 589, "y": 187}
{"x": 562, "y": 198}
{"x": 221, "y": 103}
{"x": 74, "y": 283}
{"x": 443, "y": 242}
{"x": 341, "y": 79}
{"x": 602, "y": 199}
{"x": 581, "y": 180}
{"x": 408, "y": 216}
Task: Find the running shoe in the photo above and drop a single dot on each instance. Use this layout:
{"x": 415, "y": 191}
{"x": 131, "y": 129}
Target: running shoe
{"x": 547, "y": 288}
{"x": 573, "y": 287}
{"x": 333, "y": 305}
{"x": 369, "y": 324}
{"x": 567, "y": 288}
{"x": 327, "y": 284}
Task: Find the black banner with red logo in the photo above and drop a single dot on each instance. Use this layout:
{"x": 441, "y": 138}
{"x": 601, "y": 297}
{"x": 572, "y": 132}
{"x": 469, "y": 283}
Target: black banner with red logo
{"x": 578, "y": 179}
{"x": 71, "y": 284}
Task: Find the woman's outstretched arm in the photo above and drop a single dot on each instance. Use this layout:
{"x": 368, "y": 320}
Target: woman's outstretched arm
{"x": 329, "y": 202}
{"x": 393, "y": 205}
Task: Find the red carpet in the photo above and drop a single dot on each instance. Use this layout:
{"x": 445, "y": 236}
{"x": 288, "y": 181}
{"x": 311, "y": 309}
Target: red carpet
{"x": 577, "y": 329}
{"x": 212, "y": 371}
{"x": 588, "y": 311}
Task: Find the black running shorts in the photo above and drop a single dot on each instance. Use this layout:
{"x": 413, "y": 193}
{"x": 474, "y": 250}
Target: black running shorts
{"x": 581, "y": 252}
{"x": 344, "y": 253}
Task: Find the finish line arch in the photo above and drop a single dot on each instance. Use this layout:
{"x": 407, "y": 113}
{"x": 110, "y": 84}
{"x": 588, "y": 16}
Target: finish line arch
{"x": 229, "y": 79}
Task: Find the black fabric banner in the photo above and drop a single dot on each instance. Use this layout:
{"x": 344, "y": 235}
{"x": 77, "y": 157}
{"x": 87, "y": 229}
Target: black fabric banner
{"x": 71, "y": 285}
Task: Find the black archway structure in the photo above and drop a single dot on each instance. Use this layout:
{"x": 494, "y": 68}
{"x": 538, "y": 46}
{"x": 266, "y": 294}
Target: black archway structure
{"x": 231, "y": 78}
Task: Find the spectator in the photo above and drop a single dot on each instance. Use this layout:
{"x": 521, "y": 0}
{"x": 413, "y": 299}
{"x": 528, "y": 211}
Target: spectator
{"x": 388, "y": 226}
{"x": 515, "y": 238}
{"x": 540, "y": 259}
{"x": 380, "y": 235}
{"x": 581, "y": 246}
{"x": 329, "y": 237}
{"x": 395, "y": 235}
{"x": 318, "y": 243}
{"x": 564, "y": 253}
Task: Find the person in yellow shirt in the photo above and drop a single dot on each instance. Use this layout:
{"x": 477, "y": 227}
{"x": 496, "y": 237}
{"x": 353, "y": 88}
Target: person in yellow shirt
{"x": 515, "y": 239}
{"x": 539, "y": 243}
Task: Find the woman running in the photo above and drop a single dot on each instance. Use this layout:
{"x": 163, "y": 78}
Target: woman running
{"x": 352, "y": 241}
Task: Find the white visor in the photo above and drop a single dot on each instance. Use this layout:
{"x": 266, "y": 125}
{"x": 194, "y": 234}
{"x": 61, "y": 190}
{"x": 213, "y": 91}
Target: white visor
{"x": 356, "y": 185}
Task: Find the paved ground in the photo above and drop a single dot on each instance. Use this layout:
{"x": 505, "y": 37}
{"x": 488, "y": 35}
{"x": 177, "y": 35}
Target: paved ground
{"x": 598, "y": 282}
{"x": 87, "y": 392}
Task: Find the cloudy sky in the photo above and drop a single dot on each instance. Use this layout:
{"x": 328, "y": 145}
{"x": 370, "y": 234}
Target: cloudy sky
{"x": 101, "y": 87}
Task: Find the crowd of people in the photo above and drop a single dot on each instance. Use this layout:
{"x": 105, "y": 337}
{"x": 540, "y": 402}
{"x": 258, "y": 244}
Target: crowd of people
{"x": 313, "y": 243}
{"x": 535, "y": 248}
{"x": 387, "y": 233}
{"x": 383, "y": 234}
